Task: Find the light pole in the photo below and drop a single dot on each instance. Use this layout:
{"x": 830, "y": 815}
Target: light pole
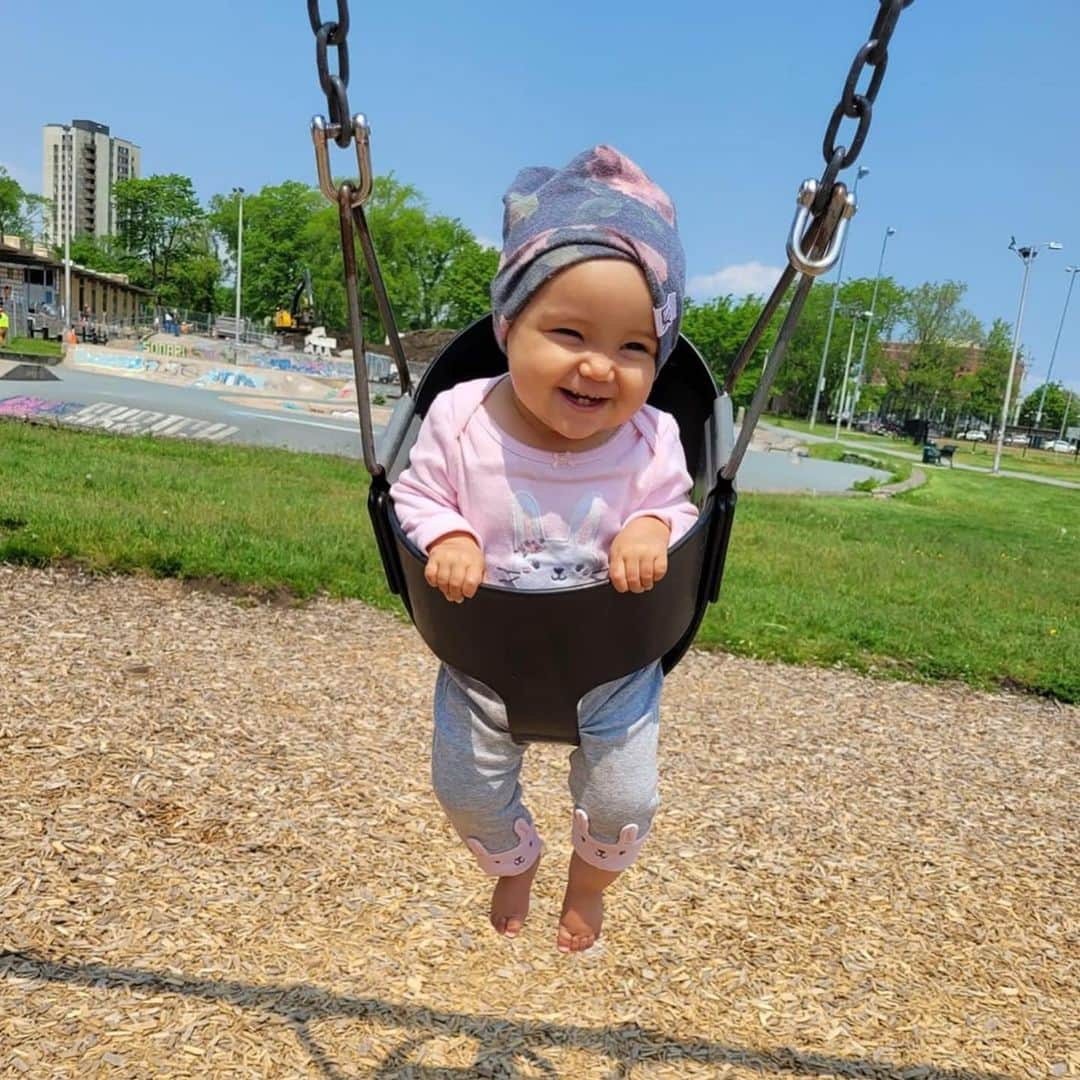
{"x": 70, "y": 215}
{"x": 1027, "y": 255}
{"x": 860, "y": 370}
{"x": 855, "y": 317}
{"x": 862, "y": 171}
{"x": 239, "y": 191}
{"x": 1071, "y": 271}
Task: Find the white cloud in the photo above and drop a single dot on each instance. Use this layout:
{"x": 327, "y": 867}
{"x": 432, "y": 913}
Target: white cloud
{"x": 738, "y": 280}
{"x": 485, "y": 242}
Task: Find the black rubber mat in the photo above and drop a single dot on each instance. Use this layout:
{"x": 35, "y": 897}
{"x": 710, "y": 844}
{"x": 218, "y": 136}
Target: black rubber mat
{"x": 24, "y": 372}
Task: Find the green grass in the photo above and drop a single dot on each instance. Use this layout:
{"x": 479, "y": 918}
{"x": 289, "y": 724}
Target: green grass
{"x": 967, "y": 577}
{"x": 981, "y": 455}
{"x": 1018, "y": 459}
{"x": 261, "y": 519}
{"x": 33, "y": 347}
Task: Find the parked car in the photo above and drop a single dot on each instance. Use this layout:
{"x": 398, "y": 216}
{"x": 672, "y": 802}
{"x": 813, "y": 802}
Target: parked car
{"x": 1060, "y": 446}
{"x": 873, "y": 426}
{"x": 974, "y": 435}
{"x": 1017, "y": 439}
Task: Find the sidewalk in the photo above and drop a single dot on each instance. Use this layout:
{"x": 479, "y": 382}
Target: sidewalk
{"x": 910, "y": 456}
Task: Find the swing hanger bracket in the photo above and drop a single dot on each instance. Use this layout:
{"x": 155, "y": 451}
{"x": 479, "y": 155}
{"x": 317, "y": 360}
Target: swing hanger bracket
{"x": 359, "y": 133}
{"x": 841, "y": 207}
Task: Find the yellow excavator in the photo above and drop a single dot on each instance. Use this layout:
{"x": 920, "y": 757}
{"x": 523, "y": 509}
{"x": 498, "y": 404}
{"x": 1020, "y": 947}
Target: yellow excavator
{"x": 293, "y": 324}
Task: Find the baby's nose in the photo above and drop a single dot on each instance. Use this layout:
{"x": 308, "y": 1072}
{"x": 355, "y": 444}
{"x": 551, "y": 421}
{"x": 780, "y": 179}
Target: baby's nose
{"x": 598, "y": 367}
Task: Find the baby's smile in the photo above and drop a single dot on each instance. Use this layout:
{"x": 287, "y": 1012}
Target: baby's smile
{"x": 583, "y": 401}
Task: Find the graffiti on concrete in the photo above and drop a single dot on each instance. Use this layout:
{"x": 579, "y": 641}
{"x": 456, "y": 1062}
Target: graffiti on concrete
{"x": 118, "y": 419}
{"x": 37, "y": 407}
{"x": 171, "y": 367}
{"x": 185, "y": 352}
{"x": 304, "y": 365}
{"x": 229, "y": 377}
{"x": 116, "y": 361}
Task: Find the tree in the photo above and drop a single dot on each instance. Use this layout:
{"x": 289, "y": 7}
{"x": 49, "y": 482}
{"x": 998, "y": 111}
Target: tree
{"x": 99, "y": 253}
{"x": 718, "y": 328}
{"x": 20, "y": 210}
{"x": 1053, "y": 408}
{"x": 798, "y": 375}
{"x": 276, "y": 246}
{"x": 982, "y": 392}
{"x": 195, "y": 274}
{"x": 157, "y": 218}
{"x": 941, "y": 333}
{"x": 11, "y": 197}
{"x": 467, "y": 284}
{"x": 416, "y": 253}
{"x": 436, "y": 247}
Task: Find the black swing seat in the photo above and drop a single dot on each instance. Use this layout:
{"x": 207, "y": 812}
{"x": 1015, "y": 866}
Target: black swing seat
{"x": 542, "y": 651}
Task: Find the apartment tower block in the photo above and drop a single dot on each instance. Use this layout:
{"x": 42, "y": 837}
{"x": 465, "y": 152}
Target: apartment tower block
{"x": 83, "y": 154}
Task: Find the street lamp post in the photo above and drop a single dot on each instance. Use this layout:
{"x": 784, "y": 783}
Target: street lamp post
{"x": 861, "y": 369}
{"x": 239, "y": 191}
{"x": 862, "y": 171}
{"x": 1027, "y": 255}
{"x": 856, "y": 316}
{"x": 70, "y": 215}
{"x": 1072, "y": 272}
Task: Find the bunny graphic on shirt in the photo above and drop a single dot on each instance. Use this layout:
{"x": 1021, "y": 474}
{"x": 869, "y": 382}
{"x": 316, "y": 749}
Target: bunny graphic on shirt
{"x": 540, "y": 561}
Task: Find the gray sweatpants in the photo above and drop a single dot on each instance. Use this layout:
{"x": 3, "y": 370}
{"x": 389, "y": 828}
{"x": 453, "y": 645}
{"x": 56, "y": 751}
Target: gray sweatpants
{"x": 475, "y": 766}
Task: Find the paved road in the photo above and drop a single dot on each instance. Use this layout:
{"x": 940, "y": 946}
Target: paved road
{"x": 134, "y": 406}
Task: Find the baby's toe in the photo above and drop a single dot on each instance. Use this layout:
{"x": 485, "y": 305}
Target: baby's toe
{"x": 564, "y": 942}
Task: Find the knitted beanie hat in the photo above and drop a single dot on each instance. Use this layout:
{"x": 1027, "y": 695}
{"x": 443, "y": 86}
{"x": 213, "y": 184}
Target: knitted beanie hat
{"x": 600, "y": 206}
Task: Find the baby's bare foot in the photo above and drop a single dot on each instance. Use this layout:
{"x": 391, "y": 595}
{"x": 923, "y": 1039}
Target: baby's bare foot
{"x": 581, "y": 919}
{"x": 510, "y": 901}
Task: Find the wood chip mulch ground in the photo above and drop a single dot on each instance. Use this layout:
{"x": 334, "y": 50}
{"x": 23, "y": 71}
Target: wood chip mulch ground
{"x": 220, "y": 857}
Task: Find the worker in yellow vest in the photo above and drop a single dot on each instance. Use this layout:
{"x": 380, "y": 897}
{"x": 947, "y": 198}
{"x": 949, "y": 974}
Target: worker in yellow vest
{"x": 3, "y": 326}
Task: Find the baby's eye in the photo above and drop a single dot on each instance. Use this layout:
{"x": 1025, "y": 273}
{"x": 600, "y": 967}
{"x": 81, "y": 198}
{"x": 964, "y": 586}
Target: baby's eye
{"x": 575, "y": 334}
{"x": 638, "y": 346}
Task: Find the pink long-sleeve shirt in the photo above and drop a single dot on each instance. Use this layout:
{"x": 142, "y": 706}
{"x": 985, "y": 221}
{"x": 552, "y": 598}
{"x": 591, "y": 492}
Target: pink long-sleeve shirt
{"x": 543, "y": 520}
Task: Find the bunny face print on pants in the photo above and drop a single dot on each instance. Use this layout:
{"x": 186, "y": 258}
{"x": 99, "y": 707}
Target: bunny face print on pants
{"x": 541, "y": 561}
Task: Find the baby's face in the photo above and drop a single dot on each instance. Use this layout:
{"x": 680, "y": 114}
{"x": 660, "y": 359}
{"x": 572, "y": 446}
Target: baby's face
{"x": 582, "y": 354}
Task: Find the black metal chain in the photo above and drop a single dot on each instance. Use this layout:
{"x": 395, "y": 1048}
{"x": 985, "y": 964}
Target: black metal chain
{"x": 858, "y": 106}
{"x": 335, "y": 87}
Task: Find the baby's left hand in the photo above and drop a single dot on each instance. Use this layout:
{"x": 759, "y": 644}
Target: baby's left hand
{"x": 638, "y": 558}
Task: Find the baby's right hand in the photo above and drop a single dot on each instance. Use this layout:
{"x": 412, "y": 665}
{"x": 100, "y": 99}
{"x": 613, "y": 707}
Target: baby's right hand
{"x": 455, "y": 566}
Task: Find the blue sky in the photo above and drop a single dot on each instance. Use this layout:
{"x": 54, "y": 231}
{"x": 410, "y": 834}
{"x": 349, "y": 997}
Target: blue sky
{"x": 974, "y": 135}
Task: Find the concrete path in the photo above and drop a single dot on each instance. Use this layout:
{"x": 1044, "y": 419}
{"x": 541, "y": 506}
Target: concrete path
{"x": 911, "y": 456}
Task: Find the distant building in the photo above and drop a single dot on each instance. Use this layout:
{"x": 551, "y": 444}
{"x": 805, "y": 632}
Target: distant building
{"x": 83, "y": 153}
{"x": 968, "y": 362}
{"x": 32, "y": 288}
